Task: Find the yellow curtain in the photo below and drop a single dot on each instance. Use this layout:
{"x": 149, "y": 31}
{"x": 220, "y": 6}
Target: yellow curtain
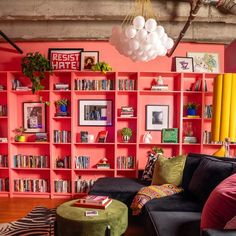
{"x": 224, "y": 108}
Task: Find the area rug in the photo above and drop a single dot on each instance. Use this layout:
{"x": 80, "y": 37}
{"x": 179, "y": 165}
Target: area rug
{"x": 40, "y": 221}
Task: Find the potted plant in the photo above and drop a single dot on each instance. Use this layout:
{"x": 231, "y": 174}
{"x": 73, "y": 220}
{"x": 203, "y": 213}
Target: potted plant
{"x": 191, "y": 108}
{"x": 126, "y": 134}
{"x": 157, "y": 151}
{"x": 20, "y": 137}
{"x": 62, "y": 104}
{"x": 102, "y": 66}
{"x": 35, "y": 66}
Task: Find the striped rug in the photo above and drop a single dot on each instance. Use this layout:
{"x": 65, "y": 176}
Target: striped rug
{"x": 40, "y": 221}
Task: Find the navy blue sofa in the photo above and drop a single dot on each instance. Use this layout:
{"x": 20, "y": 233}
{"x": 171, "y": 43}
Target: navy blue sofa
{"x": 179, "y": 214}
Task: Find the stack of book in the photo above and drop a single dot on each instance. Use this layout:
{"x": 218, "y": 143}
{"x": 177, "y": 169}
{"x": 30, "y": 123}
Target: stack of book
{"x": 160, "y": 87}
{"x": 93, "y": 201}
{"x": 61, "y": 86}
{"x": 190, "y": 139}
{"x": 127, "y": 111}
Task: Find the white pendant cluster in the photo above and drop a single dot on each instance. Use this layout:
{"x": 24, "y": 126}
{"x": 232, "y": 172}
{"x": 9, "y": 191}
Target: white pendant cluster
{"x": 141, "y": 41}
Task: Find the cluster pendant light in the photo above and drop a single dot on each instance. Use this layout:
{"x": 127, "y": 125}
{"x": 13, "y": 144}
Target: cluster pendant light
{"x": 140, "y": 37}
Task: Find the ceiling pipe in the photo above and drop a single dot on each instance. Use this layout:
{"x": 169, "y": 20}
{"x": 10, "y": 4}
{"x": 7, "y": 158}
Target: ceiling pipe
{"x": 226, "y": 5}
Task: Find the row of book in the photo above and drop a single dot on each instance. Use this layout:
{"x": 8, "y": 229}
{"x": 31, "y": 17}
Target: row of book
{"x": 125, "y": 162}
{"x": 31, "y": 185}
{"x": 3, "y": 110}
{"x": 208, "y": 111}
{"x": 126, "y": 84}
{"x": 29, "y": 161}
{"x": 206, "y": 137}
{"x": 62, "y": 136}
{"x": 62, "y": 186}
{"x": 86, "y": 84}
{"x": 197, "y": 86}
{"x": 4, "y": 184}
{"x": 82, "y": 162}
{"x": 83, "y": 185}
{"x": 127, "y": 111}
{"x": 3, "y": 161}
{"x": 63, "y": 162}
{"x": 17, "y": 85}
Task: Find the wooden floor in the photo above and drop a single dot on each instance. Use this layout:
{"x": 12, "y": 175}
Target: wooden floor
{"x": 15, "y": 208}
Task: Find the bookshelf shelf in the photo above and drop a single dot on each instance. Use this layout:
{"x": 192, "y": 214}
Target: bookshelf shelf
{"x": 133, "y": 100}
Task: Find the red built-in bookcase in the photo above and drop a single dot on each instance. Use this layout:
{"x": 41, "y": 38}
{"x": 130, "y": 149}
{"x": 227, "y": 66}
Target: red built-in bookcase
{"x": 141, "y": 95}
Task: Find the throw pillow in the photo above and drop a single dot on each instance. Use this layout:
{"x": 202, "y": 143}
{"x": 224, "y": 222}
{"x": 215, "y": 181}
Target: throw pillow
{"x": 220, "y": 207}
{"x": 148, "y": 171}
{"x": 231, "y": 224}
{"x": 209, "y": 173}
{"x": 168, "y": 170}
{"x": 145, "y": 194}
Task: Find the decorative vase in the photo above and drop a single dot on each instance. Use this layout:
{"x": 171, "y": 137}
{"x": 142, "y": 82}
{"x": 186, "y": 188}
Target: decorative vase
{"x": 63, "y": 108}
{"x": 191, "y": 112}
{"x": 125, "y": 138}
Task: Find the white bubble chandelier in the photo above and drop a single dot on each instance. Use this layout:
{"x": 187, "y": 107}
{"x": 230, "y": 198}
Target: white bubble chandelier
{"x": 140, "y": 37}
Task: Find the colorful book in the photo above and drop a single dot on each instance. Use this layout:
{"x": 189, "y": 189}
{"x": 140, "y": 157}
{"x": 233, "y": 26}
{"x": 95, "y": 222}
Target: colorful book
{"x": 94, "y": 206}
{"x": 94, "y": 199}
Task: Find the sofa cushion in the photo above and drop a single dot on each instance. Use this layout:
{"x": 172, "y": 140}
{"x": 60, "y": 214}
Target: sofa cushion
{"x": 145, "y": 194}
{"x": 221, "y": 205}
{"x": 176, "y": 202}
{"x": 168, "y": 170}
{"x": 122, "y": 189}
{"x": 164, "y": 223}
{"x": 209, "y": 173}
{"x": 231, "y": 224}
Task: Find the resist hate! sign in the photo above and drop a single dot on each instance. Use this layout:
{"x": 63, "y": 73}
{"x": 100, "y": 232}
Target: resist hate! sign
{"x": 62, "y": 59}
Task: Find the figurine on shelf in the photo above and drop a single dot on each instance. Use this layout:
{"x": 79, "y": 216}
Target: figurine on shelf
{"x": 159, "y": 81}
{"x": 103, "y": 164}
{"x": 147, "y": 137}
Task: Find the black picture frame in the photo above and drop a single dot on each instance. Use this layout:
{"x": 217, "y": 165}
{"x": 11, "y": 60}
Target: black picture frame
{"x": 157, "y": 117}
{"x": 60, "y": 61}
{"x": 34, "y": 117}
{"x": 101, "y": 116}
{"x": 184, "y": 64}
{"x": 93, "y": 56}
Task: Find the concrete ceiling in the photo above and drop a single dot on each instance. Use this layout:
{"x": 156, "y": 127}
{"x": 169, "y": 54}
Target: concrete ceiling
{"x": 84, "y": 20}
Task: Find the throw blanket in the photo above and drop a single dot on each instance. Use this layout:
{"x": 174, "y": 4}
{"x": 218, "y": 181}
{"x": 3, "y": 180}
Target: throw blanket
{"x": 145, "y": 194}
{"x": 40, "y": 221}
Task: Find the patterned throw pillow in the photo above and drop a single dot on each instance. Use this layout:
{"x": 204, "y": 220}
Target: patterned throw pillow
{"x": 146, "y": 194}
{"x": 149, "y": 168}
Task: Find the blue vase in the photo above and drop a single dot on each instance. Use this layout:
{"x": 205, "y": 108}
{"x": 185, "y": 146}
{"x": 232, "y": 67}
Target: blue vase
{"x": 63, "y": 108}
{"x": 191, "y": 112}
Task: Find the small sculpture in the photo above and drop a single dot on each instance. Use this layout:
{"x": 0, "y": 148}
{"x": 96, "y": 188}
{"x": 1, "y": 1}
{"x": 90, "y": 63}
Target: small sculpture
{"x": 147, "y": 137}
{"x": 160, "y": 81}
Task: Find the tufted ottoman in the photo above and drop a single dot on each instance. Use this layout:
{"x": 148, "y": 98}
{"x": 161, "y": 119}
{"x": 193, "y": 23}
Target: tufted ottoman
{"x": 72, "y": 221}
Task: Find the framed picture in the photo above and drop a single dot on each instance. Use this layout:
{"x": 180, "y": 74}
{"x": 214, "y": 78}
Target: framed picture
{"x": 65, "y": 58}
{"x": 88, "y": 59}
{"x": 157, "y": 117}
{"x": 95, "y": 112}
{"x": 205, "y": 62}
{"x": 34, "y": 117}
{"x": 184, "y": 64}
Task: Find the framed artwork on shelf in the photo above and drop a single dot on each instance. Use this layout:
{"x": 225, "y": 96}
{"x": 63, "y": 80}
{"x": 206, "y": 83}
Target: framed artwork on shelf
{"x": 88, "y": 59}
{"x": 65, "y": 58}
{"x": 157, "y": 117}
{"x": 95, "y": 112}
{"x": 184, "y": 64}
{"x": 34, "y": 117}
{"x": 170, "y": 135}
{"x": 205, "y": 62}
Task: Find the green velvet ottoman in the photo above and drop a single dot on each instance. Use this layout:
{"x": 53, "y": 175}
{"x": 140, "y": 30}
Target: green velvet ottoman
{"x": 71, "y": 220}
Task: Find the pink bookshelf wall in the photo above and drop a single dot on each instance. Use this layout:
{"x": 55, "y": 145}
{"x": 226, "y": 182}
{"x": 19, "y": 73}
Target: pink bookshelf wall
{"x": 142, "y": 73}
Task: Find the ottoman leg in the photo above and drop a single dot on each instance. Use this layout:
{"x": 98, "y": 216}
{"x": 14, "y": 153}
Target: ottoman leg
{"x": 108, "y": 231}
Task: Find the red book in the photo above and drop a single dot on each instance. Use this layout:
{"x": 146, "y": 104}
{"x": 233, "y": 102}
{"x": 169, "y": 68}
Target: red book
{"x": 94, "y": 206}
